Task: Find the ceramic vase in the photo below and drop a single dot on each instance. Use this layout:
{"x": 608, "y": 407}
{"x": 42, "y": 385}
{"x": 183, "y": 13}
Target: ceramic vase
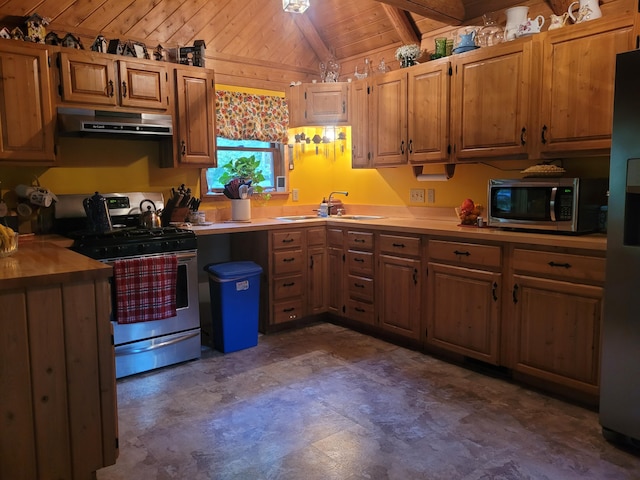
{"x": 241, "y": 210}
{"x": 515, "y": 17}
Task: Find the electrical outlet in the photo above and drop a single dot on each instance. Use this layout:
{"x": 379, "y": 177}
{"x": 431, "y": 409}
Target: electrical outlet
{"x": 431, "y": 195}
{"x": 416, "y": 195}
{"x": 294, "y": 194}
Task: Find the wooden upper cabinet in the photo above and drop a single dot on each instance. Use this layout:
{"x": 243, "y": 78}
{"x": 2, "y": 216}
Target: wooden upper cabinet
{"x": 578, "y": 73}
{"x": 491, "y": 93}
{"x": 92, "y": 78}
{"x": 389, "y": 113}
{"x": 428, "y": 112}
{"x": 360, "y": 126}
{"x": 326, "y": 103}
{"x": 26, "y": 116}
{"x": 195, "y": 98}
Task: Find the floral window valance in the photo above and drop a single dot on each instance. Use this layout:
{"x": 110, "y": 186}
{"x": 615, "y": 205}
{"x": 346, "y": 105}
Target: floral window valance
{"x": 247, "y": 116}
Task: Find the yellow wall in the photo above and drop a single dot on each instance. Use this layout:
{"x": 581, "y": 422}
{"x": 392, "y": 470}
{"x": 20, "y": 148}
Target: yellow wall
{"x": 87, "y": 165}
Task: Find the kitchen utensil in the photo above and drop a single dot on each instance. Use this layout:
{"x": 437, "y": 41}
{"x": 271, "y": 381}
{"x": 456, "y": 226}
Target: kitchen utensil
{"x": 149, "y": 218}
{"x": 97, "y": 212}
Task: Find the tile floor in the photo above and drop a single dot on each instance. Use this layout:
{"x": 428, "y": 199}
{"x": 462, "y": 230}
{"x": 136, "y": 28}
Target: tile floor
{"x": 326, "y": 402}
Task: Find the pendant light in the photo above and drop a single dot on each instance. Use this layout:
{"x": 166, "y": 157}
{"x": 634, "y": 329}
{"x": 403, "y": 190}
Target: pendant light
{"x": 295, "y": 6}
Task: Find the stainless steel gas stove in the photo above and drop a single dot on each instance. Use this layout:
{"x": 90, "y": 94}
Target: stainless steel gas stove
{"x": 145, "y": 345}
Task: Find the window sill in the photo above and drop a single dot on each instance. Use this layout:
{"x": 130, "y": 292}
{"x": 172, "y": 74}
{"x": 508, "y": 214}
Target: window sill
{"x": 219, "y": 196}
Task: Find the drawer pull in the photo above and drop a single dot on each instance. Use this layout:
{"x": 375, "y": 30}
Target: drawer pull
{"x": 358, "y": 309}
{"x": 398, "y": 245}
{"x": 515, "y": 293}
{"x": 287, "y": 310}
{"x": 358, "y": 285}
{"x": 290, "y": 259}
{"x": 523, "y": 137}
{"x": 287, "y": 240}
{"x": 458, "y": 252}
{"x": 124, "y": 89}
{"x": 110, "y": 89}
{"x": 415, "y": 276}
{"x": 289, "y": 284}
{"x": 359, "y": 240}
{"x": 361, "y": 260}
{"x": 543, "y": 137}
{"x": 563, "y": 265}
{"x": 311, "y": 261}
{"x": 493, "y": 292}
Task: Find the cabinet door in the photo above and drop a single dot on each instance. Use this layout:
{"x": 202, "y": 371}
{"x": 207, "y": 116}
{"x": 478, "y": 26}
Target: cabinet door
{"x": 491, "y": 101}
{"x": 317, "y": 280}
{"x": 399, "y": 283}
{"x": 143, "y": 85}
{"x": 326, "y": 103}
{"x": 361, "y": 156}
{"x": 389, "y": 126}
{"x": 196, "y": 117}
{"x": 558, "y": 331}
{"x": 87, "y": 78}
{"x": 464, "y": 311}
{"x": 428, "y": 112}
{"x": 578, "y": 83}
{"x": 26, "y": 117}
{"x": 335, "y": 276}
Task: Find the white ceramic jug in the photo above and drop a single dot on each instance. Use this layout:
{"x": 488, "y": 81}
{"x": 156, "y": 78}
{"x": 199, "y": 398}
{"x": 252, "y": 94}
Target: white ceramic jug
{"x": 515, "y": 17}
{"x": 587, "y": 10}
{"x": 558, "y": 21}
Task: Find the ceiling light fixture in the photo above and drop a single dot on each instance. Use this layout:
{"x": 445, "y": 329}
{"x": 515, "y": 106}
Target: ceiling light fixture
{"x": 295, "y": 6}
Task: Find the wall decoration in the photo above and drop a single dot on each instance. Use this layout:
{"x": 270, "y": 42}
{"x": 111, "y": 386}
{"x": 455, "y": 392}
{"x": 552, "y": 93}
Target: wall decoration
{"x": 36, "y": 31}
{"x": 193, "y": 55}
{"x": 140, "y": 50}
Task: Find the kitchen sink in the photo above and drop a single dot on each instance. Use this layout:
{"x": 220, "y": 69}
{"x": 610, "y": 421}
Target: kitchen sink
{"x": 296, "y": 218}
{"x": 358, "y": 217}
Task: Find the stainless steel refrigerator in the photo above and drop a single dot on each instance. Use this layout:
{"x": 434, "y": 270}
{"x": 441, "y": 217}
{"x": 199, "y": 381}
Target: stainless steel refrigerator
{"x": 620, "y": 373}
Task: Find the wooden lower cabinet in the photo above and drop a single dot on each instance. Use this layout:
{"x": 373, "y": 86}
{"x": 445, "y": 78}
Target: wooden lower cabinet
{"x": 317, "y": 287}
{"x": 557, "y": 306}
{"x": 335, "y": 271}
{"x": 399, "y": 280}
{"x": 360, "y": 269}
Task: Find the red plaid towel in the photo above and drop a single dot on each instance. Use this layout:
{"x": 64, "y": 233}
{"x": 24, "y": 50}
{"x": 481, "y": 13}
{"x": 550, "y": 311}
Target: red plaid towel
{"x": 145, "y": 288}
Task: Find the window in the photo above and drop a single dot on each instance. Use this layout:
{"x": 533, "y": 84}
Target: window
{"x": 269, "y": 154}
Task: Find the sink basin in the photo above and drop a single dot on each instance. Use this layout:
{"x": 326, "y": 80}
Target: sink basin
{"x": 296, "y": 218}
{"x": 358, "y": 217}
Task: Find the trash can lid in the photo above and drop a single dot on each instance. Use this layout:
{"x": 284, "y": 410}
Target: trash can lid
{"x": 233, "y": 269}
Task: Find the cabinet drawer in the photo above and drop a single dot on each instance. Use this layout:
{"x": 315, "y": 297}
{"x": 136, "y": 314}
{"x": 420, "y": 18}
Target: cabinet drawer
{"x": 286, "y": 239}
{"x": 360, "y": 240}
{"x": 360, "y": 311}
{"x": 317, "y": 237}
{"x": 287, "y": 287}
{"x": 361, "y": 288}
{"x": 290, "y": 261}
{"x": 360, "y": 262}
{"x": 335, "y": 237}
{"x": 465, "y": 253}
{"x": 564, "y": 265}
{"x": 287, "y": 311}
{"x": 399, "y": 245}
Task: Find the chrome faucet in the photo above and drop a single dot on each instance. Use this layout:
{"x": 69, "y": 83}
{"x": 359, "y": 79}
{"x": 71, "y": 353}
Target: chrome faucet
{"x": 346, "y": 194}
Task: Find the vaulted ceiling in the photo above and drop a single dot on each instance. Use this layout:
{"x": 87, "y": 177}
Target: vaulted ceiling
{"x": 254, "y": 42}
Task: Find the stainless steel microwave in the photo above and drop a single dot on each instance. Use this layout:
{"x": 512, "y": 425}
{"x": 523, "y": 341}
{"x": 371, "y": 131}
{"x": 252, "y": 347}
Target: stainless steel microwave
{"x": 567, "y": 205}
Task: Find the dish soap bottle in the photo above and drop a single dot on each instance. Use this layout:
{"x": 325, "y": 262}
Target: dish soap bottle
{"x": 324, "y": 208}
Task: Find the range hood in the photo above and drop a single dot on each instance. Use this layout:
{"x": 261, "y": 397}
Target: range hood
{"x": 80, "y": 122}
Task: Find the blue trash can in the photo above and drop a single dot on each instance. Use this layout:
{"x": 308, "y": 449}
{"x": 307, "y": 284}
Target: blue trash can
{"x": 235, "y": 299}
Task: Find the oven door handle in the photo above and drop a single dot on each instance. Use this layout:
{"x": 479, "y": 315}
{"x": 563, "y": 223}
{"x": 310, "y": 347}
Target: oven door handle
{"x": 552, "y": 203}
{"x": 153, "y": 346}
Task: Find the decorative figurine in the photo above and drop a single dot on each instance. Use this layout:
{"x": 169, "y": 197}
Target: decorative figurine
{"x": 72, "y": 41}
{"x": 17, "y": 34}
{"x": 36, "y": 30}
{"x": 160, "y": 54}
{"x": 99, "y": 44}
{"x": 52, "y": 38}
{"x": 115, "y": 47}
{"x": 5, "y": 33}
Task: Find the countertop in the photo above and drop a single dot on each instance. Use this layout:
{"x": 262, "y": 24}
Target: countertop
{"x": 434, "y": 227}
{"x": 41, "y": 262}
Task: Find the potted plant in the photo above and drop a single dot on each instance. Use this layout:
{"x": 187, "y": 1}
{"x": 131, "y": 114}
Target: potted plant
{"x": 240, "y": 179}
{"x": 408, "y": 55}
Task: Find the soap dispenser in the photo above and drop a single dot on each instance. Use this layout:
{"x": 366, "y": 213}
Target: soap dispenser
{"x": 324, "y": 208}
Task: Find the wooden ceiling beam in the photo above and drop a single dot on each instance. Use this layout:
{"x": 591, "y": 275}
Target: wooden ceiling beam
{"x": 401, "y": 24}
{"x": 311, "y": 35}
{"x": 448, "y": 11}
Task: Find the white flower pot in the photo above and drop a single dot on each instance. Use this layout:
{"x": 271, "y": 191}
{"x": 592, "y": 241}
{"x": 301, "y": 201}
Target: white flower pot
{"x": 241, "y": 209}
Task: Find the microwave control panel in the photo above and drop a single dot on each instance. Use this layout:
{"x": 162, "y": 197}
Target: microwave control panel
{"x": 564, "y": 204}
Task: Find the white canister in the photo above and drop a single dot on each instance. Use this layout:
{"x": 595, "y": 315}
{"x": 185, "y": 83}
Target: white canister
{"x": 241, "y": 209}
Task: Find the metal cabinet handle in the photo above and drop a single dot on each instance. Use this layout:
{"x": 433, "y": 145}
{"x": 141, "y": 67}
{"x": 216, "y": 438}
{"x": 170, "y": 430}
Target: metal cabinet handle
{"x": 290, "y": 259}
{"x": 358, "y": 285}
{"x": 344, "y": 107}
{"x": 410, "y": 146}
{"x": 287, "y": 240}
{"x": 563, "y": 265}
{"x": 110, "y": 89}
{"x": 183, "y": 148}
{"x": 361, "y": 260}
{"x": 515, "y": 293}
{"x": 311, "y": 261}
{"x": 398, "y": 245}
{"x": 458, "y": 252}
{"x": 358, "y": 309}
{"x": 402, "y": 147}
{"x": 287, "y": 310}
{"x": 415, "y": 276}
{"x": 358, "y": 240}
{"x": 124, "y": 88}
{"x": 494, "y": 292}
{"x": 289, "y": 284}
{"x": 544, "y": 135}
{"x": 523, "y": 136}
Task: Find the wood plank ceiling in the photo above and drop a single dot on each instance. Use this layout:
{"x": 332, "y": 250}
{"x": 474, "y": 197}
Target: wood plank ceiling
{"x": 254, "y": 42}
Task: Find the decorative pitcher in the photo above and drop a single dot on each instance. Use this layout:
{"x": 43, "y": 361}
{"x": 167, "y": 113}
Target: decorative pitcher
{"x": 516, "y": 16}
{"x": 558, "y": 21}
{"x": 587, "y": 10}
